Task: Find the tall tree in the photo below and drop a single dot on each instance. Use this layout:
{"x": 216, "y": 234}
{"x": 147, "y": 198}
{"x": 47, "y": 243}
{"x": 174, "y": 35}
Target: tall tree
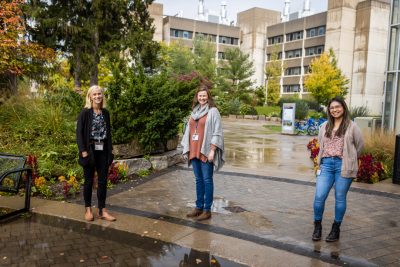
{"x": 326, "y": 80}
{"x": 177, "y": 59}
{"x": 18, "y": 55}
{"x": 86, "y": 30}
{"x": 237, "y": 69}
{"x": 204, "y": 58}
{"x": 273, "y": 73}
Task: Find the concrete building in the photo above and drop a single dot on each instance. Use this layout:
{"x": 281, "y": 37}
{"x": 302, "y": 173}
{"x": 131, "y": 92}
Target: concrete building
{"x": 356, "y": 30}
{"x": 391, "y": 112}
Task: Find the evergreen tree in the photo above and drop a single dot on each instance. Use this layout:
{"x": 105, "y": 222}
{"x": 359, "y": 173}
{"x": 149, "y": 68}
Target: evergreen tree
{"x": 326, "y": 80}
{"x": 86, "y": 30}
{"x": 237, "y": 69}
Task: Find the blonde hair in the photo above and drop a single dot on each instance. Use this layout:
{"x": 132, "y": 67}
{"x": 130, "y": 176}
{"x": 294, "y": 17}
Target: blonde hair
{"x": 88, "y": 103}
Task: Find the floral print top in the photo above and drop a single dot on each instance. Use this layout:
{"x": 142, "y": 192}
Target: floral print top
{"x": 99, "y": 130}
{"x": 333, "y": 147}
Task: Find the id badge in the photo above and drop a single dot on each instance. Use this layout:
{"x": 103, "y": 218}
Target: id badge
{"x": 99, "y": 146}
{"x": 195, "y": 137}
{"x": 318, "y": 172}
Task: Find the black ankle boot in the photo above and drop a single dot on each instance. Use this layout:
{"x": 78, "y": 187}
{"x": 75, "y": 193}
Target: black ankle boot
{"x": 316, "y": 236}
{"x": 335, "y": 233}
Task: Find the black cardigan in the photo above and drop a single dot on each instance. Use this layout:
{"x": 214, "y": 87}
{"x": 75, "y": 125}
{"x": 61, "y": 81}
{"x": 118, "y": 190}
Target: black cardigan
{"x": 83, "y": 127}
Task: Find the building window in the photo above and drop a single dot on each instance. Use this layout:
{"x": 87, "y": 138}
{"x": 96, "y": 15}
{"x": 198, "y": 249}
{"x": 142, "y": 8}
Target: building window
{"x": 206, "y": 36}
{"x": 291, "y": 88}
{"x": 393, "y": 48}
{"x": 294, "y": 36}
{"x": 307, "y": 69}
{"x": 293, "y": 53}
{"x": 315, "y": 50}
{"x": 317, "y": 31}
{"x": 228, "y": 40}
{"x": 221, "y": 55}
{"x": 275, "y": 40}
{"x": 181, "y": 34}
{"x": 293, "y": 71}
{"x": 396, "y": 11}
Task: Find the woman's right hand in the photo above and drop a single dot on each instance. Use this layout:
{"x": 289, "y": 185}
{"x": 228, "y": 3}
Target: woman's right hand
{"x": 85, "y": 154}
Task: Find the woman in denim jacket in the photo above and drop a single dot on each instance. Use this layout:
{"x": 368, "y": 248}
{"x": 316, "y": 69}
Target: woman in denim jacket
{"x": 340, "y": 143}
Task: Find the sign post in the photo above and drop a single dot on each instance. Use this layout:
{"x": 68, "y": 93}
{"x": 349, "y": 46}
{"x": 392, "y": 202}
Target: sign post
{"x": 288, "y": 118}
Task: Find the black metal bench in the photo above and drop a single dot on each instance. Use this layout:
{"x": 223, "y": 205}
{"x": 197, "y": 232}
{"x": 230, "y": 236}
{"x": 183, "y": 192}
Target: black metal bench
{"x": 12, "y": 168}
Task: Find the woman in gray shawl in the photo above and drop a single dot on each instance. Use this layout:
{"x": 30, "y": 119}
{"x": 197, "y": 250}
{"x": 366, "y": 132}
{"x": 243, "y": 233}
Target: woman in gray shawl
{"x": 203, "y": 144}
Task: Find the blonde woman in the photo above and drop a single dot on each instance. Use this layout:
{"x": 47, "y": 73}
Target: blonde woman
{"x": 93, "y": 135}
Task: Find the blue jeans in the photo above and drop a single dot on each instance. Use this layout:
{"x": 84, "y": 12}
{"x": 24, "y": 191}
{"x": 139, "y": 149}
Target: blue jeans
{"x": 330, "y": 175}
{"x": 203, "y": 171}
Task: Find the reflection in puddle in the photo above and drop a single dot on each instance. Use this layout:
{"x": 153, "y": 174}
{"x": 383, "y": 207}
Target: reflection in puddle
{"x": 61, "y": 241}
{"x": 221, "y": 205}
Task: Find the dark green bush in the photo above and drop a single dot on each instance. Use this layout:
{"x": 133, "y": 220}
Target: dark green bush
{"x": 301, "y": 106}
{"x": 149, "y": 108}
{"x": 246, "y": 109}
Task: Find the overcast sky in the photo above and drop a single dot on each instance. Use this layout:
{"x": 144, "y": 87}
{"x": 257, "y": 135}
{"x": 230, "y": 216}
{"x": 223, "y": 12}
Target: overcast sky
{"x": 189, "y": 7}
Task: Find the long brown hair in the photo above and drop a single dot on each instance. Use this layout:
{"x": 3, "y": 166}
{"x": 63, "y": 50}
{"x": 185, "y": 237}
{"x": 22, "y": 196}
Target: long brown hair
{"x": 331, "y": 120}
{"x": 204, "y": 87}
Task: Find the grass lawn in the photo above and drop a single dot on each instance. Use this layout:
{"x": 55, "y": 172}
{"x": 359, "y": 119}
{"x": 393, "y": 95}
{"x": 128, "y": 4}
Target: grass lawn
{"x": 268, "y": 110}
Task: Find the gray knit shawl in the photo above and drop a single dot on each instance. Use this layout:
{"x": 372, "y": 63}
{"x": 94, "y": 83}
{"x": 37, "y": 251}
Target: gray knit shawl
{"x": 213, "y": 134}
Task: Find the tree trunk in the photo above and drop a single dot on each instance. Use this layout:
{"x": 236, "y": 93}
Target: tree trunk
{"x": 94, "y": 73}
{"x": 12, "y": 83}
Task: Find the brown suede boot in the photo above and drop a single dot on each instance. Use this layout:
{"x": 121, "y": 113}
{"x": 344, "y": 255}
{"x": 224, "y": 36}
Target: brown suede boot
{"x": 204, "y": 216}
{"x": 89, "y": 214}
{"x": 194, "y": 213}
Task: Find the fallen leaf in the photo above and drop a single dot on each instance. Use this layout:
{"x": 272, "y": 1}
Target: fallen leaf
{"x": 62, "y": 254}
{"x": 198, "y": 261}
{"x": 159, "y": 234}
{"x": 82, "y": 261}
{"x": 4, "y": 258}
{"x": 213, "y": 261}
{"x": 104, "y": 257}
{"x": 145, "y": 232}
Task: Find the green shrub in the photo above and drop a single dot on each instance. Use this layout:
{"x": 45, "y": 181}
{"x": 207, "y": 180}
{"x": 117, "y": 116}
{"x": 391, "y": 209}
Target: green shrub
{"x": 246, "y": 109}
{"x": 148, "y": 108}
{"x": 42, "y": 128}
{"x": 301, "y": 106}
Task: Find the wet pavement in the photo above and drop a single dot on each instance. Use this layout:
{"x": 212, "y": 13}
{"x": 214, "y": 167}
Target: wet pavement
{"x": 262, "y": 214}
{"x": 48, "y": 241}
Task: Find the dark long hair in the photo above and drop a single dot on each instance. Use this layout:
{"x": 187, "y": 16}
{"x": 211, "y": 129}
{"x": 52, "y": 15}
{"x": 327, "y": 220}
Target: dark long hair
{"x": 204, "y": 87}
{"x": 331, "y": 120}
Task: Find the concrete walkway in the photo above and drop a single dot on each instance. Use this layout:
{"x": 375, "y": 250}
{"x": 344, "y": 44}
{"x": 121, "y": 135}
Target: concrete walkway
{"x": 262, "y": 213}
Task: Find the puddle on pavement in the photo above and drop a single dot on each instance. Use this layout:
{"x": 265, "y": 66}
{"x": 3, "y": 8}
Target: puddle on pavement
{"x": 47, "y": 240}
{"x": 221, "y": 205}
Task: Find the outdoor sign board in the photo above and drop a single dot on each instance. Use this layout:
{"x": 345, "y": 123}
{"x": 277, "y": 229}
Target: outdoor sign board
{"x": 288, "y": 117}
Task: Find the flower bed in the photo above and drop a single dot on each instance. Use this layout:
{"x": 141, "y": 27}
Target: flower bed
{"x": 370, "y": 170}
{"x": 64, "y": 187}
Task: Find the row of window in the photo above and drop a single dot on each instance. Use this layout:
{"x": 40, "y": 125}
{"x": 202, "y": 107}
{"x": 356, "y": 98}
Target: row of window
{"x": 293, "y": 36}
{"x": 296, "y": 71}
{"x": 211, "y": 37}
{"x": 309, "y": 51}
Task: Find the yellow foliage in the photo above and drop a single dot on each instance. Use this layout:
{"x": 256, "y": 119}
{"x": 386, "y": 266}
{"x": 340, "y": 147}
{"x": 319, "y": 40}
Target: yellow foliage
{"x": 40, "y": 181}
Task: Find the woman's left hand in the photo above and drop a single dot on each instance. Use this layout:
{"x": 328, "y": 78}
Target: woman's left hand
{"x": 211, "y": 155}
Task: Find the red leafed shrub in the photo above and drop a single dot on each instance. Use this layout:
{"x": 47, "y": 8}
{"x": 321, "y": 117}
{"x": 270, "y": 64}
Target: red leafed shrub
{"x": 369, "y": 169}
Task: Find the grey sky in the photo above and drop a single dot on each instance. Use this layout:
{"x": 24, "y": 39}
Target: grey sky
{"x": 189, "y": 7}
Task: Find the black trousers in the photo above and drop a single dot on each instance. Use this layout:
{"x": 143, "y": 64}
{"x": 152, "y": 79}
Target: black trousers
{"x": 101, "y": 166}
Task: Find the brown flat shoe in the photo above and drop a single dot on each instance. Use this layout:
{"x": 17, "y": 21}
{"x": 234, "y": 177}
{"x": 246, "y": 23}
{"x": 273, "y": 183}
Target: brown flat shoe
{"x": 89, "y": 214}
{"x": 106, "y": 216}
{"x": 204, "y": 216}
{"x": 194, "y": 213}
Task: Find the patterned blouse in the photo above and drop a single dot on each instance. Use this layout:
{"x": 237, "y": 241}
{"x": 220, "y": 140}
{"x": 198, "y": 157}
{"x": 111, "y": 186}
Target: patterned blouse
{"x": 333, "y": 147}
{"x": 99, "y": 130}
